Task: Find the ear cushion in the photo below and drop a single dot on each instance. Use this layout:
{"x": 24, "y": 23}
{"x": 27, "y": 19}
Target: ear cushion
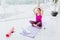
{"x": 54, "y": 13}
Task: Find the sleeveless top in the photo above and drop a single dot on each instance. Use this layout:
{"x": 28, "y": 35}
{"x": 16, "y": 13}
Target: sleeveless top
{"x": 38, "y": 18}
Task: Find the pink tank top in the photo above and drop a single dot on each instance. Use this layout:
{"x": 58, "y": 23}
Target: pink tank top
{"x": 38, "y": 18}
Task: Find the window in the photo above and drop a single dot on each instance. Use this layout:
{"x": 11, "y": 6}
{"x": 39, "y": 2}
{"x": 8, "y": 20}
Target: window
{"x": 15, "y": 2}
{"x": 23, "y": 1}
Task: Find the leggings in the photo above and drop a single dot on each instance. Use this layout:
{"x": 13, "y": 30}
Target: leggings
{"x": 34, "y": 22}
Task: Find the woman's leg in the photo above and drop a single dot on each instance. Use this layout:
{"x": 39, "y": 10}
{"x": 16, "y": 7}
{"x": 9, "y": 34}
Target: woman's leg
{"x": 33, "y": 23}
{"x": 39, "y": 24}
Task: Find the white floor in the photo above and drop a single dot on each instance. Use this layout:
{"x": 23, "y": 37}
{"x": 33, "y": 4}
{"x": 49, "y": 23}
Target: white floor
{"x": 52, "y": 25}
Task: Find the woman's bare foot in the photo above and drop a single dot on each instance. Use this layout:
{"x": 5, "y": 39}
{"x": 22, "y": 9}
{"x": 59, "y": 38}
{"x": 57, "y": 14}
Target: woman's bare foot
{"x": 34, "y": 25}
{"x": 38, "y": 23}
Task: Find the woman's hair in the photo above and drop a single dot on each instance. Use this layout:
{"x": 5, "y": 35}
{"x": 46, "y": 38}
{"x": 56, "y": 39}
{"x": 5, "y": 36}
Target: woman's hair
{"x": 39, "y": 9}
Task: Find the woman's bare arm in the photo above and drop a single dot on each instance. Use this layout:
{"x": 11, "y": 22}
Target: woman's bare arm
{"x": 34, "y": 10}
{"x": 42, "y": 12}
